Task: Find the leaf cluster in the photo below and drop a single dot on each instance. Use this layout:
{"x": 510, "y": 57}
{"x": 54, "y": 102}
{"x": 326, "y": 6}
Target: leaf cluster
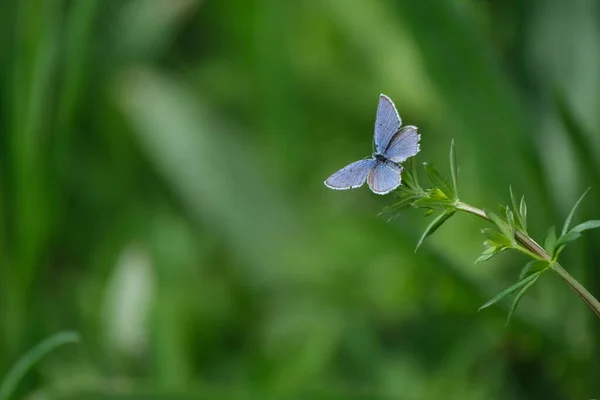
{"x": 509, "y": 231}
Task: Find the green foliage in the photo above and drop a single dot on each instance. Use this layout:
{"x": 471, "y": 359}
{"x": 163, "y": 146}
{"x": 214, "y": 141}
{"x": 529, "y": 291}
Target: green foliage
{"x": 28, "y": 360}
{"x": 434, "y": 225}
{"x": 520, "y": 294}
{"x": 439, "y": 182}
{"x": 550, "y": 241}
{"x": 454, "y": 171}
{"x": 524, "y": 283}
{"x": 201, "y": 145}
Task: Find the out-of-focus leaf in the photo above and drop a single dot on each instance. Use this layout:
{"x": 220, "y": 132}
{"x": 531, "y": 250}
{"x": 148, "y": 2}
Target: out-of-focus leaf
{"x": 510, "y": 290}
{"x": 519, "y": 295}
{"x": 434, "y": 225}
{"x": 437, "y": 179}
{"x": 25, "y": 363}
{"x": 570, "y": 216}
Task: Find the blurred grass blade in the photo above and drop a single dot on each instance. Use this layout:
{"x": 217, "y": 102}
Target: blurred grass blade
{"x": 453, "y": 169}
{"x": 570, "y": 216}
{"x": 434, "y": 225}
{"x": 188, "y": 147}
{"x": 578, "y": 136}
{"x": 518, "y": 297}
{"x": 509, "y": 290}
{"x": 27, "y": 361}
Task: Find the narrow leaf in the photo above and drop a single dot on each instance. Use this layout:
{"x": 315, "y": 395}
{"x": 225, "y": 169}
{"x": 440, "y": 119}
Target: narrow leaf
{"x": 438, "y": 180}
{"x": 496, "y": 237}
{"x": 509, "y": 290}
{"x": 516, "y": 210}
{"x": 532, "y": 267}
{"x": 433, "y": 203}
{"x": 550, "y": 241}
{"x": 510, "y": 218}
{"x": 453, "y": 169}
{"x": 570, "y": 216}
{"x": 523, "y": 212}
{"x": 504, "y": 228}
{"x": 415, "y": 175}
{"x": 586, "y": 226}
{"x": 434, "y": 225}
{"x": 569, "y": 237}
{"x": 518, "y": 297}
{"x": 489, "y": 252}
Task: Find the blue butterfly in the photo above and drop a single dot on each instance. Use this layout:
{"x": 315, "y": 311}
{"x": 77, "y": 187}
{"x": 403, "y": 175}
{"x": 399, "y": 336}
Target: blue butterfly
{"x": 393, "y": 145}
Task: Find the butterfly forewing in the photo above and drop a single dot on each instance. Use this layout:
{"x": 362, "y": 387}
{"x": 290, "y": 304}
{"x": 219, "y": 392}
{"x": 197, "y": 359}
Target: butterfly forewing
{"x": 384, "y": 178}
{"x": 404, "y": 144}
{"x": 387, "y": 123}
{"x": 351, "y": 176}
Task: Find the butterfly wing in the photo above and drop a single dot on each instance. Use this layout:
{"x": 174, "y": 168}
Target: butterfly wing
{"x": 384, "y": 178}
{"x": 351, "y": 176}
{"x": 404, "y": 144}
{"x": 387, "y": 123}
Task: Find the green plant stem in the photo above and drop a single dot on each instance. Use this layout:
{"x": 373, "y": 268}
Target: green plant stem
{"x": 539, "y": 251}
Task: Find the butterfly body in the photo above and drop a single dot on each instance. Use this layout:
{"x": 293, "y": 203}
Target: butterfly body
{"x": 393, "y": 145}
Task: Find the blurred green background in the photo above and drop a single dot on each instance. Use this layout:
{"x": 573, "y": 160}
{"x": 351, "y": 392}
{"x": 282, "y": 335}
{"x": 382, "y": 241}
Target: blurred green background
{"x": 161, "y": 192}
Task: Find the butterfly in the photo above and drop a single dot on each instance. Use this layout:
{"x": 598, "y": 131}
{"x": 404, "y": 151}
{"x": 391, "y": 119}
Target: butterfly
{"x": 393, "y": 145}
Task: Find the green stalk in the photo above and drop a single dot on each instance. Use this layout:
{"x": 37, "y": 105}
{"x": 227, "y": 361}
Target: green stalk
{"x": 537, "y": 250}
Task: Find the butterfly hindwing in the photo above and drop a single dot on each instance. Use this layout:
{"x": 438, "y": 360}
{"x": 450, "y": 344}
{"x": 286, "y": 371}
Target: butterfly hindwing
{"x": 404, "y": 144}
{"x": 384, "y": 178}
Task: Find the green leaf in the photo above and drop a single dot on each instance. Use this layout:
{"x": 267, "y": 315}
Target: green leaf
{"x": 503, "y": 226}
{"x": 439, "y": 181}
{"x": 569, "y": 237}
{"x": 570, "y": 216}
{"x": 532, "y": 267}
{"x": 490, "y": 251}
{"x": 414, "y": 174}
{"x": 27, "y": 361}
{"x": 519, "y": 295}
{"x": 425, "y": 202}
{"x": 516, "y": 209}
{"x": 496, "y": 237}
{"x": 523, "y": 212}
{"x": 509, "y": 290}
{"x": 550, "y": 241}
{"x": 586, "y": 226}
{"x": 408, "y": 180}
{"x": 437, "y": 194}
{"x": 453, "y": 170}
{"x": 434, "y": 225}
{"x": 510, "y": 218}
